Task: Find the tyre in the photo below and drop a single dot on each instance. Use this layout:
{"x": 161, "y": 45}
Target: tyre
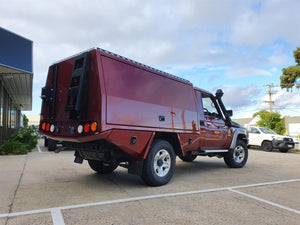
{"x": 267, "y": 146}
{"x": 45, "y": 141}
{"x": 284, "y": 150}
{"x": 188, "y": 157}
{"x": 103, "y": 167}
{"x": 237, "y": 157}
{"x": 51, "y": 145}
{"x": 159, "y": 166}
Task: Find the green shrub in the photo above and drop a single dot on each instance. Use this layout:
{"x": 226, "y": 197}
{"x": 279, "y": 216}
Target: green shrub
{"x": 28, "y": 136}
{"x": 22, "y": 143}
{"x": 13, "y": 147}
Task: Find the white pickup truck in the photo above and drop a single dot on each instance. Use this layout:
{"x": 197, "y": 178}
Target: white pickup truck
{"x": 269, "y": 140}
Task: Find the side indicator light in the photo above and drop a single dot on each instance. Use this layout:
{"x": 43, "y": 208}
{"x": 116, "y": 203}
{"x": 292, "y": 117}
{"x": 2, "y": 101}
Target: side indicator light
{"x": 94, "y": 126}
{"x": 86, "y": 128}
{"x": 43, "y": 126}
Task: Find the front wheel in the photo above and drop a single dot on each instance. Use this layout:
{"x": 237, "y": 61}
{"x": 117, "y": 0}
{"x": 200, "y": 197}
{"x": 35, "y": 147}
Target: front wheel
{"x": 237, "y": 157}
{"x": 103, "y": 167}
{"x": 267, "y": 146}
{"x": 159, "y": 166}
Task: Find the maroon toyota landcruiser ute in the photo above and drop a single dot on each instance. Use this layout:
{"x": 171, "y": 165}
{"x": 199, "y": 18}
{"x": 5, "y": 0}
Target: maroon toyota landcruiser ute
{"x": 114, "y": 112}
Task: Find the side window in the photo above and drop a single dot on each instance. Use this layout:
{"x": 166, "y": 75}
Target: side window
{"x": 253, "y": 130}
{"x": 209, "y": 107}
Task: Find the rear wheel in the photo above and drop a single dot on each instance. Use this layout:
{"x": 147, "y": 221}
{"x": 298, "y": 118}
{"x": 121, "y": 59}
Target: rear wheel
{"x": 45, "y": 141}
{"x": 267, "y": 146}
{"x": 159, "y": 165}
{"x": 237, "y": 157}
{"x": 51, "y": 145}
{"x": 103, "y": 167}
{"x": 284, "y": 150}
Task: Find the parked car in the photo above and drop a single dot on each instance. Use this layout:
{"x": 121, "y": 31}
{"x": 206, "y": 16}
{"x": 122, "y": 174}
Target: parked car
{"x": 268, "y": 140}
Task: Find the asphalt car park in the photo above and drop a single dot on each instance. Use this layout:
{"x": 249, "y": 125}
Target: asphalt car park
{"x": 48, "y": 188}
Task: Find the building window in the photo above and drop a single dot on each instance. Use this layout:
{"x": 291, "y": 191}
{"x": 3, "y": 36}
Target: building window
{"x": 13, "y": 117}
{"x": 9, "y": 112}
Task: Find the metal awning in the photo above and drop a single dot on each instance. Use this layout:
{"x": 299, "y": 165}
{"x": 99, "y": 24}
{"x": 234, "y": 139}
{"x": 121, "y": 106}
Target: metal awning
{"x": 18, "y": 84}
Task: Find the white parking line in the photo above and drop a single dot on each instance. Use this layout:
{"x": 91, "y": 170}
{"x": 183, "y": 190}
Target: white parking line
{"x": 58, "y": 218}
{"x": 39, "y": 149}
{"x": 265, "y": 201}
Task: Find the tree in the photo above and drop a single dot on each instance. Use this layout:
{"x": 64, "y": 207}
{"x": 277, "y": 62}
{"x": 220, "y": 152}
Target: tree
{"x": 290, "y": 75}
{"x": 271, "y": 120}
{"x": 25, "y": 120}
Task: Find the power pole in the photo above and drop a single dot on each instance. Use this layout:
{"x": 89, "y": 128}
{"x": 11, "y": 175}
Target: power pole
{"x": 269, "y": 91}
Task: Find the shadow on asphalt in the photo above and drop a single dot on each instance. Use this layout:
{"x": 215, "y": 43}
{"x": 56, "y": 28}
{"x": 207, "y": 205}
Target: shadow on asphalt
{"x": 183, "y": 169}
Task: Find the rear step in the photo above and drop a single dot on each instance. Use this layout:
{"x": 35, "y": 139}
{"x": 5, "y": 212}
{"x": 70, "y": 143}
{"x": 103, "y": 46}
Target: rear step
{"x": 214, "y": 151}
{"x": 77, "y": 102}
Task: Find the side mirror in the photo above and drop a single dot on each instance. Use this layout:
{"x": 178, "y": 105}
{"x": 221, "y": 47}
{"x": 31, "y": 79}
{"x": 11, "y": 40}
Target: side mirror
{"x": 229, "y": 112}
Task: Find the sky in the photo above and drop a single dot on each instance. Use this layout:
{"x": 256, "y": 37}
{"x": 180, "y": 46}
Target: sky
{"x": 238, "y": 46}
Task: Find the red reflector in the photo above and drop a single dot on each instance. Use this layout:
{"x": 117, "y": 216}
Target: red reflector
{"x": 86, "y": 128}
{"x": 48, "y": 127}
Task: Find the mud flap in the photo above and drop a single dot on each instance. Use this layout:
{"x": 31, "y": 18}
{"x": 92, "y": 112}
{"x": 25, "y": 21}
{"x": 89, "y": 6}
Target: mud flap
{"x": 136, "y": 167}
{"x": 78, "y": 158}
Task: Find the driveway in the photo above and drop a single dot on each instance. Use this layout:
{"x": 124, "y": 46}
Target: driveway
{"x": 48, "y": 188}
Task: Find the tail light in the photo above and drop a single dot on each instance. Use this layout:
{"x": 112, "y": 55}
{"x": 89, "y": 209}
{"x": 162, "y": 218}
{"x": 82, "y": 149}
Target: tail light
{"x": 81, "y": 128}
{"x": 47, "y": 127}
{"x": 86, "y": 128}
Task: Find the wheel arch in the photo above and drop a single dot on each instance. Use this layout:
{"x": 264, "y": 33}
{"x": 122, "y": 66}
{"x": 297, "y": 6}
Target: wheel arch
{"x": 239, "y": 134}
{"x": 243, "y": 137}
{"x": 172, "y": 138}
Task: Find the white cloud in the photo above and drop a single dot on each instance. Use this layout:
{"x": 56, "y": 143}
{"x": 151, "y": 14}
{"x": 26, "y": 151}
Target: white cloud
{"x": 242, "y": 70}
{"x": 184, "y": 36}
{"x": 239, "y": 97}
{"x": 287, "y": 99}
{"x": 278, "y": 59}
{"x": 275, "y": 20}
{"x": 210, "y": 14}
{"x": 287, "y": 103}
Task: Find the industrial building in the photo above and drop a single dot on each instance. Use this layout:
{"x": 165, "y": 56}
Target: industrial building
{"x": 16, "y": 75}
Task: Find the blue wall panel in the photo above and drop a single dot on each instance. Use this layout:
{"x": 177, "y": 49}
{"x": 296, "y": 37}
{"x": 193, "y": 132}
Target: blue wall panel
{"x": 15, "y": 51}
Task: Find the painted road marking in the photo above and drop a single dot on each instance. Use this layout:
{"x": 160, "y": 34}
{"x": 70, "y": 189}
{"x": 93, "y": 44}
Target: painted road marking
{"x": 265, "y": 201}
{"x": 58, "y": 218}
{"x": 39, "y": 149}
